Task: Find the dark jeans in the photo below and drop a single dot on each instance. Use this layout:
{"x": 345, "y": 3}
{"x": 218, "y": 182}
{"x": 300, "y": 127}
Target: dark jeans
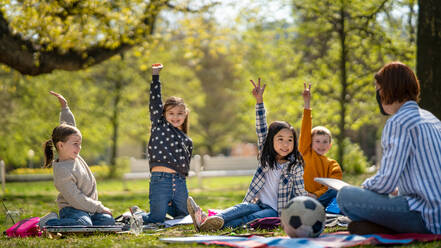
{"x": 167, "y": 194}
{"x": 327, "y": 197}
{"x": 74, "y": 217}
{"x": 243, "y": 213}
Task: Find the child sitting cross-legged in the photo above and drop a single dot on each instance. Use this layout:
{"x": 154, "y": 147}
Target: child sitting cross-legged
{"x": 278, "y": 178}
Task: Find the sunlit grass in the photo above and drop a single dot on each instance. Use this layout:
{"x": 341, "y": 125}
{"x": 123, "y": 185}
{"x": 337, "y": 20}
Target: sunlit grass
{"x": 38, "y": 198}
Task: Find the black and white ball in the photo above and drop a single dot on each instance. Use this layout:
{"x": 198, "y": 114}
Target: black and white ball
{"x": 303, "y": 217}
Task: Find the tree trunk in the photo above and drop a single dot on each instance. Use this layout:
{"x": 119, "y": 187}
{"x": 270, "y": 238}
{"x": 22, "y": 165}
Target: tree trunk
{"x": 429, "y": 54}
{"x": 344, "y": 88}
{"x": 115, "y": 126}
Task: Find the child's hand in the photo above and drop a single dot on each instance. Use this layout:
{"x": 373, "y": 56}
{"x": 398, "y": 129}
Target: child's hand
{"x": 258, "y": 91}
{"x": 107, "y": 211}
{"x": 156, "y": 68}
{"x": 306, "y": 95}
{"x": 61, "y": 99}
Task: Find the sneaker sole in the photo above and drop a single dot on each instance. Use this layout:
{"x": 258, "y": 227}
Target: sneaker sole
{"x": 212, "y": 224}
{"x": 191, "y": 210}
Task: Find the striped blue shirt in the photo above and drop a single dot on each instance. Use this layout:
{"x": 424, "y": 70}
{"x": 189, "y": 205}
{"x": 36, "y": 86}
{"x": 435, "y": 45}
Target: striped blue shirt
{"x": 411, "y": 161}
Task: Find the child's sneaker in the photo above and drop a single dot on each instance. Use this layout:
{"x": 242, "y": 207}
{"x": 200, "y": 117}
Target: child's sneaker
{"x": 44, "y": 219}
{"x": 135, "y": 210}
{"x": 196, "y": 213}
{"x": 212, "y": 223}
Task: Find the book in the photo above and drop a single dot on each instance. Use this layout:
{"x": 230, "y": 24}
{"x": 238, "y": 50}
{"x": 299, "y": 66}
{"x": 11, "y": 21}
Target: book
{"x": 333, "y": 183}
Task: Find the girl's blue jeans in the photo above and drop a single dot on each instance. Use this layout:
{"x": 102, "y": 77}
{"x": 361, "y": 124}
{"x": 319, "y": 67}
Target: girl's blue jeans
{"x": 167, "y": 194}
{"x": 389, "y": 211}
{"x": 243, "y": 213}
{"x": 74, "y": 217}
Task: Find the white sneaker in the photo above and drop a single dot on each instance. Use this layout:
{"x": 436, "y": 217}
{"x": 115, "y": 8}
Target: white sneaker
{"x": 196, "y": 213}
{"x": 135, "y": 210}
{"x": 44, "y": 219}
{"x": 212, "y": 223}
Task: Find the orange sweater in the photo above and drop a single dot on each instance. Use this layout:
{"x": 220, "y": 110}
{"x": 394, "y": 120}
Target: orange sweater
{"x": 316, "y": 165}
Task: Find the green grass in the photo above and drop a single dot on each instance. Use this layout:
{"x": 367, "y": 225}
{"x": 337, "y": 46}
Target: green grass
{"x": 38, "y": 198}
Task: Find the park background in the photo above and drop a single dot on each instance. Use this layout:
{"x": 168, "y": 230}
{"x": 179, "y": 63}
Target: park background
{"x": 98, "y": 55}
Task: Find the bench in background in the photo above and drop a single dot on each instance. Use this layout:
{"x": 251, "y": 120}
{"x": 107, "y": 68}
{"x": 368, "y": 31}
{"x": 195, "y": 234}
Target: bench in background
{"x": 207, "y": 167}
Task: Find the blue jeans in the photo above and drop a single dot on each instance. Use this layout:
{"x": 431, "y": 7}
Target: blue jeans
{"x": 243, "y": 213}
{"x": 74, "y": 217}
{"x": 327, "y": 197}
{"x": 167, "y": 194}
{"x": 388, "y": 211}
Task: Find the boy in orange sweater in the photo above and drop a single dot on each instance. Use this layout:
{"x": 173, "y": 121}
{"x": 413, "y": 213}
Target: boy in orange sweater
{"x": 314, "y": 143}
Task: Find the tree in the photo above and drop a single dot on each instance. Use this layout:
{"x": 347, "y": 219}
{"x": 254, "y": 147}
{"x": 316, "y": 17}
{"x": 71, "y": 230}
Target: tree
{"x": 37, "y": 37}
{"x": 429, "y": 54}
{"x": 212, "y": 56}
{"x": 343, "y": 42}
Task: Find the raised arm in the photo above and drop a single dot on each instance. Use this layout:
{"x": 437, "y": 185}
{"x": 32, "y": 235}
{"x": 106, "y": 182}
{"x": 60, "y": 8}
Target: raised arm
{"x": 261, "y": 125}
{"x": 305, "y": 132}
{"x": 155, "y": 94}
{"x": 66, "y": 116}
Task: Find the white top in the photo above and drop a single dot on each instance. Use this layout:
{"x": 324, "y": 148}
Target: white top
{"x": 268, "y": 194}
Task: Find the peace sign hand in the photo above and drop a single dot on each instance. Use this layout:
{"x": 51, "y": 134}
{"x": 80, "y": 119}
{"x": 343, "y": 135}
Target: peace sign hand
{"x": 306, "y": 95}
{"x": 258, "y": 91}
{"x": 61, "y": 99}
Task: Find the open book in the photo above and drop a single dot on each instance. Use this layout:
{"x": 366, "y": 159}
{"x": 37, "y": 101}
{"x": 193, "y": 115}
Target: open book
{"x": 333, "y": 183}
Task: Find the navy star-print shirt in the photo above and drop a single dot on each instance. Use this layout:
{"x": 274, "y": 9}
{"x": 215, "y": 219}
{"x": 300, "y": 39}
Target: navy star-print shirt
{"x": 168, "y": 146}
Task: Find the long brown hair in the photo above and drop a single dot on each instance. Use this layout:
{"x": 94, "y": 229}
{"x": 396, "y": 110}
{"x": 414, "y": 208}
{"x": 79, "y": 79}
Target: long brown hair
{"x": 174, "y": 101}
{"x": 60, "y": 133}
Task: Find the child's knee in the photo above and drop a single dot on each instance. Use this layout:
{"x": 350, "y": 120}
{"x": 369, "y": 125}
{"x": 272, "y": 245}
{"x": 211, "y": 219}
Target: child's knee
{"x": 85, "y": 221}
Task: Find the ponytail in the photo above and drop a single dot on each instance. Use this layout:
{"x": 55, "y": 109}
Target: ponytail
{"x": 60, "y": 133}
{"x": 48, "y": 153}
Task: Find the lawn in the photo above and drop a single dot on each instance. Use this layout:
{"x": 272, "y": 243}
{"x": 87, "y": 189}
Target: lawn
{"x": 38, "y": 198}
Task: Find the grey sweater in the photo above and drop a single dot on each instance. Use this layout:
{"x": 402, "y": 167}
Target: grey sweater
{"x": 74, "y": 179}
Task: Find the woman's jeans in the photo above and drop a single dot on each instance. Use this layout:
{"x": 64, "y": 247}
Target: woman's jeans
{"x": 74, "y": 217}
{"x": 243, "y": 213}
{"x": 388, "y": 211}
{"x": 167, "y": 194}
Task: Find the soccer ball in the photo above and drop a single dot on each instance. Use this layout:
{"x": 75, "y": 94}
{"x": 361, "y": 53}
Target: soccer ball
{"x": 303, "y": 217}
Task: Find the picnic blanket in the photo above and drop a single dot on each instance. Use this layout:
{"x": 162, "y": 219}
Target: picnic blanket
{"x": 340, "y": 239}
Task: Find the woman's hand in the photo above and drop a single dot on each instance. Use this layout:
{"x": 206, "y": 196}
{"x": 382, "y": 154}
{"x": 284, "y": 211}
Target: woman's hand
{"x": 306, "y": 95}
{"x": 61, "y": 99}
{"x": 156, "y": 68}
{"x": 258, "y": 91}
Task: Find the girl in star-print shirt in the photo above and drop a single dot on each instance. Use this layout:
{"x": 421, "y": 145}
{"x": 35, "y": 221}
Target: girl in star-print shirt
{"x": 169, "y": 152}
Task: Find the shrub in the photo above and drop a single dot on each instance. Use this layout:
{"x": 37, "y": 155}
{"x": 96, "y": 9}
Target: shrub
{"x": 354, "y": 161}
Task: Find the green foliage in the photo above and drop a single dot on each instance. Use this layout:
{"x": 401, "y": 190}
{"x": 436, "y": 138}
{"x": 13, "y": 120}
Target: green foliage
{"x": 99, "y": 171}
{"x": 354, "y": 160}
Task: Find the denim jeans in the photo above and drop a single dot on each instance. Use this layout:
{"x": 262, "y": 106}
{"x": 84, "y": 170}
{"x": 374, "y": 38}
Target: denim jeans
{"x": 74, "y": 217}
{"x": 243, "y": 213}
{"x": 167, "y": 194}
{"x": 327, "y": 197}
{"x": 389, "y": 211}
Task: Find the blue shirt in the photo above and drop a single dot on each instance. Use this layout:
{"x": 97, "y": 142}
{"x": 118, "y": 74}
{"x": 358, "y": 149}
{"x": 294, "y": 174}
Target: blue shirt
{"x": 411, "y": 161}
